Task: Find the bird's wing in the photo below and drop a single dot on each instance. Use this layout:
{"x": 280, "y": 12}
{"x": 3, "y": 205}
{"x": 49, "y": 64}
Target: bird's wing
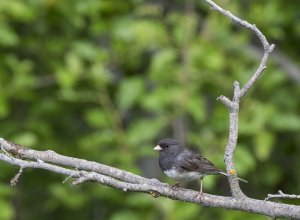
{"x": 191, "y": 161}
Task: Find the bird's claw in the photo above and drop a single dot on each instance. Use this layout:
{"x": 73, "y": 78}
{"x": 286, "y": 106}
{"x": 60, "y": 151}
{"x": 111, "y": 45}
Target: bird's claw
{"x": 175, "y": 186}
{"x": 199, "y": 196}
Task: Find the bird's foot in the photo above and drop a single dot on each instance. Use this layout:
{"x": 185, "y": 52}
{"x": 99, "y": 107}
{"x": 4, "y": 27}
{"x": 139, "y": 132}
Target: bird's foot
{"x": 175, "y": 186}
{"x": 199, "y": 196}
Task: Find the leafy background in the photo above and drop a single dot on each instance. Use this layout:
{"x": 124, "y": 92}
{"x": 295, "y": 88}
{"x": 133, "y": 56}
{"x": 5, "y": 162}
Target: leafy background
{"x": 105, "y": 80}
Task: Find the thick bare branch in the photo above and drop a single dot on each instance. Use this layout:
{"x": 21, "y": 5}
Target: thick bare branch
{"x": 150, "y": 186}
{"x": 52, "y": 157}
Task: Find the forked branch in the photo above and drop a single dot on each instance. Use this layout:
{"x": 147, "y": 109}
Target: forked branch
{"x": 80, "y": 171}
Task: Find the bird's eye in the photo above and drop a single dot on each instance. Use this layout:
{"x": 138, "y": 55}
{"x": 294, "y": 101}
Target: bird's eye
{"x": 167, "y": 146}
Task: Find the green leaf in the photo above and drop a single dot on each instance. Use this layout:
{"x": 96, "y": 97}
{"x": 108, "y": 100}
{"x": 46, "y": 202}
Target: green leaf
{"x": 163, "y": 98}
{"x": 163, "y": 65}
{"x": 272, "y": 174}
{"x": 129, "y": 92}
{"x": 26, "y": 138}
{"x": 68, "y": 198}
{"x": 4, "y": 106}
{"x": 141, "y": 131}
{"x": 149, "y": 34}
{"x": 125, "y": 215}
{"x": 286, "y": 122}
{"x": 139, "y": 201}
{"x": 6, "y": 210}
{"x": 8, "y": 37}
{"x": 245, "y": 161}
{"x": 97, "y": 118}
{"x": 195, "y": 106}
{"x": 264, "y": 142}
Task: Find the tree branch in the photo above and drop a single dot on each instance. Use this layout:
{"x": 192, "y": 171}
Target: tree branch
{"x": 282, "y": 195}
{"x": 233, "y": 106}
{"x": 285, "y": 63}
{"x": 52, "y": 157}
{"x": 267, "y": 47}
{"x": 81, "y": 171}
{"x": 231, "y": 145}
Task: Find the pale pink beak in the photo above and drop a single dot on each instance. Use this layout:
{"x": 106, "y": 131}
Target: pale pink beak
{"x": 158, "y": 148}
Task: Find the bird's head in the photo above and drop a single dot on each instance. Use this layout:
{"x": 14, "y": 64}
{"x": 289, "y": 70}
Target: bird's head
{"x": 169, "y": 145}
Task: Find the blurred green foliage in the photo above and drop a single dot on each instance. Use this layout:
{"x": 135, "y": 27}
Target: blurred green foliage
{"x": 105, "y": 80}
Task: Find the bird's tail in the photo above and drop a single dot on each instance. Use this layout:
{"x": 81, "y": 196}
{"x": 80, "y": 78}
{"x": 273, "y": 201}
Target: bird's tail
{"x": 240, "y": 179}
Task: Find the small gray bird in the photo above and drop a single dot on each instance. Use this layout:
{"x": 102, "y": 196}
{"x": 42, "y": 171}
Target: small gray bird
{"x": 184, "y": 165}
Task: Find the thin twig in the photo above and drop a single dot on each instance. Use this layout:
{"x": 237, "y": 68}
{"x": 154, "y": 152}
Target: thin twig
{"x": 267, "y": 47}
{"x": 262, "y": 66}
{"x": 243, "y": 23}
{"x": 226, "y": 101}
{"x": 67, "y": 178}
{"x": 14, "y": 181}
{"x": 282, "y": 195}
{"x": 84, "y": 177}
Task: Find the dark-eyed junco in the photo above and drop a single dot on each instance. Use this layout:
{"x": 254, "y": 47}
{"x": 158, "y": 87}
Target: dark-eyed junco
{"x": 184, "y": 165}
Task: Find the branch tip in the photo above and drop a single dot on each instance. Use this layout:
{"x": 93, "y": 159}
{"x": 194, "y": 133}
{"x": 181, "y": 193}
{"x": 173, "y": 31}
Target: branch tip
{"x": 281, "y": 195}
{"x": 14, "y": 181}
{"x": 67, "y": 178}
{"x": 271, "y": 48}
{"x": 226, "y": 101}
{"x": 236, "y": 84}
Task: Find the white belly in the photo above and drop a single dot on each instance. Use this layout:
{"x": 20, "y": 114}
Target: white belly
{"x": 184, "y": 177}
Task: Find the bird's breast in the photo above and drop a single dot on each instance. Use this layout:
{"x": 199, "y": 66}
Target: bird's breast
{"x": 183, "y": 176}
